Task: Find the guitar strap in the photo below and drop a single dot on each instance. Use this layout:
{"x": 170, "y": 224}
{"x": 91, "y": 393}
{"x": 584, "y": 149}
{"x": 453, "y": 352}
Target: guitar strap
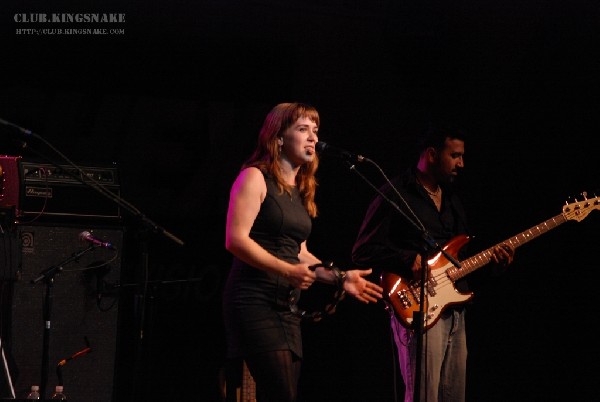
{"x": 460, "y": 226}
{"x": 458, "y": 212}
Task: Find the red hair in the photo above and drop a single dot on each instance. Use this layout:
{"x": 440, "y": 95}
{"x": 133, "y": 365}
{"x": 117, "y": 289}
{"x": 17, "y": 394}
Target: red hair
{"x": 266, "y": 155}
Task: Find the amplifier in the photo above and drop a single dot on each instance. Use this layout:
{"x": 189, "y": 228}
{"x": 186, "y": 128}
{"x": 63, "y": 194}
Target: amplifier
{"x": 9, "y": 180}
{"x": 47, "y": 191}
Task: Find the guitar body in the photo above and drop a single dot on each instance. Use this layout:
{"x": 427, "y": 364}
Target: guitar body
{"x": 404, "y": 295}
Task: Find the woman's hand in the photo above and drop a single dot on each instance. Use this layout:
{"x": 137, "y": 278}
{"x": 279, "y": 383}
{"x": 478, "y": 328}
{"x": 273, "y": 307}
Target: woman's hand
{"x": 301, "y": 276}
{"x": 363, "y": 290}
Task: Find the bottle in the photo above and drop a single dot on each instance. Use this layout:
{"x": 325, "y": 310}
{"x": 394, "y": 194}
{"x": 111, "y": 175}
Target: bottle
{"x": 34, "y": 393}
{"x": 58, "y": 393}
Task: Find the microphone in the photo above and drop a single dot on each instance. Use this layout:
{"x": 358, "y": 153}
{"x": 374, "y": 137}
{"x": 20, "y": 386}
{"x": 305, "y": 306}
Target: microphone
{"x": 87, "y": 236}
{"x": 325, "y": 148}
{"x": 21, "y": 130}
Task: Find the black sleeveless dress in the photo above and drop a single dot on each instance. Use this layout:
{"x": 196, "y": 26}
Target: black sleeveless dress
{"x": 255, "y": 303}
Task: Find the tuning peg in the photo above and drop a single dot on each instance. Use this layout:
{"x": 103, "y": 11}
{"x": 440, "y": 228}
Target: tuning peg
{"x": 584, "y": 195}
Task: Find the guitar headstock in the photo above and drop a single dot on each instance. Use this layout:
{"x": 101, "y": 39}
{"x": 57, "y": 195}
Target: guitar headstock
{"x": 578, "y": 210}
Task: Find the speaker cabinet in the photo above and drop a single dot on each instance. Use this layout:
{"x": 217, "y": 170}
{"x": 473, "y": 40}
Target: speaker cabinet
{"x": 83, "y": 311}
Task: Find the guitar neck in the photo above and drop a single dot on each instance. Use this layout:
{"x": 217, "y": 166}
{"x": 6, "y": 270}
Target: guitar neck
{"x": 483, "y": 258}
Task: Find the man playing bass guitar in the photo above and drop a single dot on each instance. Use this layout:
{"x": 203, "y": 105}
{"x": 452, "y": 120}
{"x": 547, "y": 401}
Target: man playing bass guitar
{"x": 388, "y": 242}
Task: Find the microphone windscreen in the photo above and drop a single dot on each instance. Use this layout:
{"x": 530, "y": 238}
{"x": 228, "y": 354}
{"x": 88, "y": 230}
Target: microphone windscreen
{"x": 320, "y": 147}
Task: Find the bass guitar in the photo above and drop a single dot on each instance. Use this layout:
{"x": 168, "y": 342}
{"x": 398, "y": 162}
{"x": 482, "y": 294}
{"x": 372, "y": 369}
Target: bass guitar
{"x": 440, "y": 293}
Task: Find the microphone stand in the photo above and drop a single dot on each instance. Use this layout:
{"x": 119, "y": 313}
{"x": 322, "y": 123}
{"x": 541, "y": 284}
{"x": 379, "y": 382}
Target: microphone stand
{"x": 147, "y": 224}
{"x": 430, "y": 245}
{"x": 47, "y": 276}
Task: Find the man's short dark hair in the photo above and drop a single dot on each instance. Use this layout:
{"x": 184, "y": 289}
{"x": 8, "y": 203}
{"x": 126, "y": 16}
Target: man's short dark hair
{"x": 435, "y": 136}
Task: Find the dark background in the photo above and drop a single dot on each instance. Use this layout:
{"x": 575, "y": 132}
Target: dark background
{"x": 178, "y": 99}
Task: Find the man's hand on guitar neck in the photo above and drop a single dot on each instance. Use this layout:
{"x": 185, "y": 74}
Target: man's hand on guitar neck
{"x": 503, "y": 254}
